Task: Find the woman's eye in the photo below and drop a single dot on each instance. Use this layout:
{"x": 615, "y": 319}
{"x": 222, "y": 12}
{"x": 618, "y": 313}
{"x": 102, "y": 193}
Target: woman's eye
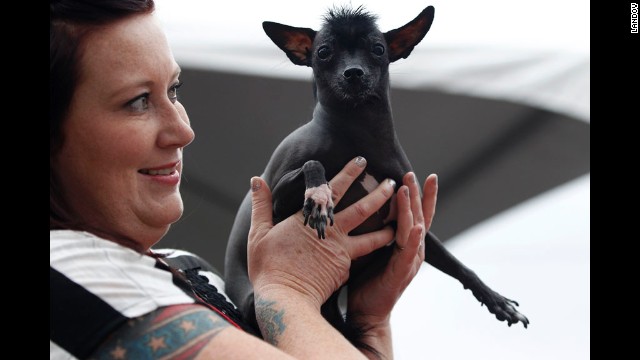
{"x": 139, "y": 104}
{"x": 324, "y": 52}
{"x": 173, "y": 92}
{"x": 378, "y": 49}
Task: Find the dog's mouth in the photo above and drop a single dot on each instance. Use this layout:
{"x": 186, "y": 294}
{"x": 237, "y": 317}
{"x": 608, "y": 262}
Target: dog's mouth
{"x": 355, "y": 91}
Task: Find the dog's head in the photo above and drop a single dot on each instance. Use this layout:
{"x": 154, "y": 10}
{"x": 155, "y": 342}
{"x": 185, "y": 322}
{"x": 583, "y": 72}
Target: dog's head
{"x": 349, "y": 55}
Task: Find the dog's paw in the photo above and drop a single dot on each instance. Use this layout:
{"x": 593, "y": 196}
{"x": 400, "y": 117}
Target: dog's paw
{"x": 318, "y": 208}
{"x": 503, "y": 308}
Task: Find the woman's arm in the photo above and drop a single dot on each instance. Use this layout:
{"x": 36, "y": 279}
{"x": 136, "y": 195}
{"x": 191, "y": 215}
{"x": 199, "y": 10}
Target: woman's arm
{"x": 192, "y": 331}
{"x": 187, "y": 331}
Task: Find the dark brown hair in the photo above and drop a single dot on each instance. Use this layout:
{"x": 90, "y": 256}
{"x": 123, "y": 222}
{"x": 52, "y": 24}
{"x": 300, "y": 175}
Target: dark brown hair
{"x": 69, "y": 22}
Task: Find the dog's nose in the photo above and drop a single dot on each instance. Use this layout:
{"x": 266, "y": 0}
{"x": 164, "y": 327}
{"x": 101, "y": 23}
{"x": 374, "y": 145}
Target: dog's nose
{"x": 353, "y": 72}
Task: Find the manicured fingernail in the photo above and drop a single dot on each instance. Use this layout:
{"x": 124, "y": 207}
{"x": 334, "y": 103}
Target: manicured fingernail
{"x": 392, "y": 183}
{"x": 361, "y": 162}
{"x": 255, "y": 184}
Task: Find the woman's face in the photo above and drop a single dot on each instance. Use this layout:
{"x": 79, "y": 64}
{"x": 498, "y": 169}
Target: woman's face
{"x": 121, "y": 161}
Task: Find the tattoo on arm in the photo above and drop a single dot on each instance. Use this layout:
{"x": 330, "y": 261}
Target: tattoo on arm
{"x": 176, "y": 332}
{"x": 270, "y": 320}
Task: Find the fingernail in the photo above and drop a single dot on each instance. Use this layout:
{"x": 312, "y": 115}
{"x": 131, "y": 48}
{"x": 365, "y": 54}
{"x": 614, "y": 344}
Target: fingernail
{"x": 392, "y": 183}
{"x": 406, "y": 192}
{"x": 361, "y": 162}
{"x": 436, "y": 175}
{"x": 415, "y": 178}
{"x": 255, "y": 184}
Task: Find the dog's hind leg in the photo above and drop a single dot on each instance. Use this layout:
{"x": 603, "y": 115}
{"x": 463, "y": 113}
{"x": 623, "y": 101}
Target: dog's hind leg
{"x": 438, "y": 256}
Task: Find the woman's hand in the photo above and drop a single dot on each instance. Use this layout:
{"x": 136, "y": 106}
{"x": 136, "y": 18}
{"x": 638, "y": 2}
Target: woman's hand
{"x": 290, "y": 256}
{"x": 371, "y": 299}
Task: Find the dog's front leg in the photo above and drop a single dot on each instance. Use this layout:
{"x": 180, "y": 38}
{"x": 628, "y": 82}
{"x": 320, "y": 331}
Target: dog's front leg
{"x": 318, "y": 203}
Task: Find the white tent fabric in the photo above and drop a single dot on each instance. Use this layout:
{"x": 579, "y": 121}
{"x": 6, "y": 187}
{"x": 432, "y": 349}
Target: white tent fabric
{"x": 535, "y": 53}
{"x": 496, "y": 49}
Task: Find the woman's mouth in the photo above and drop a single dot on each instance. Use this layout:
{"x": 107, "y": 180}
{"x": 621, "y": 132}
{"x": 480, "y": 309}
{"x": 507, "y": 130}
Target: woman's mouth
{"x": 167, "y": 174}
{"x": 166, "y": 171}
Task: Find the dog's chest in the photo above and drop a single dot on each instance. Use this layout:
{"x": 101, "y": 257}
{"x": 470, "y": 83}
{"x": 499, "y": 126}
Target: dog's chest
{"x": 368, "y": 182}
{"x": 365, "y": 184}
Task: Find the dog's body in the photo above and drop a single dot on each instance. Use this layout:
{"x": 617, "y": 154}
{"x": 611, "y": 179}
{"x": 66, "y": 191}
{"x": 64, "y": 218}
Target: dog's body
{"x": 350, "y": 59}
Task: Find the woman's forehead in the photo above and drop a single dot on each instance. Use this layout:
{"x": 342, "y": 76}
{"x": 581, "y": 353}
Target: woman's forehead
{"x": 134, "y": 49}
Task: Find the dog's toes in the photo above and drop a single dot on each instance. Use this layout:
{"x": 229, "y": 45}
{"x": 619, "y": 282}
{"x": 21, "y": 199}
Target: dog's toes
{"x": 523, "y": 319}
{"x": 500, "y": 306}
{"x": 321, "y": 226}
{"x": 307, "y": 210}
{"x": 317, "y": 216}
{"x": 512, "y": 302}
{"x": 506, "y": 311}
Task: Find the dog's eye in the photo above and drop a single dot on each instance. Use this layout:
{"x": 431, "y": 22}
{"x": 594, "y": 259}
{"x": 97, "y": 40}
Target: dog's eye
{"x": 378, "y": 49}
{"x": 324, "y": 52}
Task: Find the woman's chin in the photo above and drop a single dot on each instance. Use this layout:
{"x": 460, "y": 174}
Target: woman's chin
{"x": 160, "y": 219}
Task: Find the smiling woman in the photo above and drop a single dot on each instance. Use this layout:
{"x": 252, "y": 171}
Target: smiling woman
{"x": 117, "y": 135}
{"x": 126, "y": 91}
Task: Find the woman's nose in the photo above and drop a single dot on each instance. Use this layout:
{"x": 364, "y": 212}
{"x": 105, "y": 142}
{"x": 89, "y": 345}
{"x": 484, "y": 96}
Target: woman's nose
{"x": 176, "y": 129}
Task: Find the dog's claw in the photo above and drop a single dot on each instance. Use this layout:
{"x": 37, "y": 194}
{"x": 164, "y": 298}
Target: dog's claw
{"x": 318, "y": 209}
{"x": 307, "y": 209}
{"x": 502, "y": 307}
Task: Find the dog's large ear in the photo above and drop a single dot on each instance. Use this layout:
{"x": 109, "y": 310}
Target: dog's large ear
{"x": 295, "y": 42}
{"x": 401, "y": 41}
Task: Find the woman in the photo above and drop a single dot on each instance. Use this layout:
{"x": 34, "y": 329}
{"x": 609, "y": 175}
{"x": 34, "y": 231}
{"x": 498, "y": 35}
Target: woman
{"x": 117, "y": 133}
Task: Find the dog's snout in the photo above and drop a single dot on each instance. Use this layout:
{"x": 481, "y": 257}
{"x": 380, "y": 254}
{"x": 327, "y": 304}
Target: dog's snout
{"x": 353, "y": 72}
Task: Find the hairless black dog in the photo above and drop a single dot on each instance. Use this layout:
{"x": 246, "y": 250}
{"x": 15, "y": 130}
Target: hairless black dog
{"x": 350, "y": 59}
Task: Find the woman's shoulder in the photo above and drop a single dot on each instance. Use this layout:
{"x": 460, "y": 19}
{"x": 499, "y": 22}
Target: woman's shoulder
{"x": 97, "y": 285}
{"x": 200, "y": 273}
{"x": 72, "y": 243}
{"x": 130, "y": 282}
{"x": 86, "y": 258}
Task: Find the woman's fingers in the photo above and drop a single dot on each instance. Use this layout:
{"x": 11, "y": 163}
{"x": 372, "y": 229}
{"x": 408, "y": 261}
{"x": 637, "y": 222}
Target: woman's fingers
{"x": 261, "y": 209}
{"x": 405, "y": 216}
{"x": 429, "y": 199}
{"x": 411, "y": 181}
{"x": 360, "y": 245}
{"x": 407, "y": 262}
{"x": 414, "y": 258}
{"x": 410, "y": 232}
{"x": 341, "y": 182}
{"x": 357, "y": 213}
{"x": 414, "y": 217}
